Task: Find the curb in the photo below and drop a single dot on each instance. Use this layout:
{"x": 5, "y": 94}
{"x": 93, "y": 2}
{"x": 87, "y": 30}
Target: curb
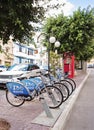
{"x": 60, "y": 123}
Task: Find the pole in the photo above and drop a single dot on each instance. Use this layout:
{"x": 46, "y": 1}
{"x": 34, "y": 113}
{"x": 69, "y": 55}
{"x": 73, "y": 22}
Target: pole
{"x": 49, "y": 57}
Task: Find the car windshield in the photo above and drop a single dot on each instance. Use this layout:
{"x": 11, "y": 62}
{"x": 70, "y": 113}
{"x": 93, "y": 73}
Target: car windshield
{"x": 20, "y": 67}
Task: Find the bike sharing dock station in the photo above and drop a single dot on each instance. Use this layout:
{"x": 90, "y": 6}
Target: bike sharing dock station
{"x": 35, "y": 115}
{"x": 49, "y": 116}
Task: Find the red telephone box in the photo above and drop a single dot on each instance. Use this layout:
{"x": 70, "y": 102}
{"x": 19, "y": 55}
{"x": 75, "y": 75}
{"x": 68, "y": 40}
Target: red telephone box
{"x": 69, "y": 64}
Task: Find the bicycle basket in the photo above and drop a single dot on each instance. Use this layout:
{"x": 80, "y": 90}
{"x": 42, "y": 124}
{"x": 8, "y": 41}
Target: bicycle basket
{"x": 38, "y": 82}
{"x": 17, "y": 89}
{"x": 29, "y": 84}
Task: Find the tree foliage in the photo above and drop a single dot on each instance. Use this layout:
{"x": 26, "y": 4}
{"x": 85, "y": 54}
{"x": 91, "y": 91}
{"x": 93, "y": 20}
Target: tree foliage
{"x": 81, "y": 30}
{"x": 15, "y": 18}
{"x": 75, "y": 32}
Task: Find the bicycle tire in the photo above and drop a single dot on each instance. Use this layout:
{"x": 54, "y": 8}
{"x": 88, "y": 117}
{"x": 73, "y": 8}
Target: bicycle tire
{"x": 72, "y": 82}
{"x": 64, "y": 89}
{"x": 14, "y": 100}
{"x": 69, "y": 85}
{"x": 49, "y": 92}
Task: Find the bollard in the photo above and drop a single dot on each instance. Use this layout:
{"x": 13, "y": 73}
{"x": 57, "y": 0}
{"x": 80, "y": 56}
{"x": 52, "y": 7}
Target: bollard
{"x": 51, "y": 96}
{"x": 45, "y": 106}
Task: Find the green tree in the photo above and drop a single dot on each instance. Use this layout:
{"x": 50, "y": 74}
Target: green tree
{"x": 81, "y": 29}
{"x": 75, "y": 32}
{"x": 15, "y": 18}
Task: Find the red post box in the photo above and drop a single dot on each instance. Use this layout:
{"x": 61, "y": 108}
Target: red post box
{"x": 66, "y": 68}
{"x": 69, "y": 64}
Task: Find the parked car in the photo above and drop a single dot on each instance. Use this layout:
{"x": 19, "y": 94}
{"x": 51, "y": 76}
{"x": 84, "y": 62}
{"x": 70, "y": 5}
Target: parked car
{"x": 44, "y": 67}
{"x": 90, "y": 65}
{"x": 18, "y": 71}
{"x": 3, "y": 68}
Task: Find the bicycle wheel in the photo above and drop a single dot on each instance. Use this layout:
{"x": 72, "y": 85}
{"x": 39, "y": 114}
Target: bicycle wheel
{"x": 15, "y": 101}
{"x": 68, "y": 84}
{"x": 72, "y": 82}
{"x": 53, "y": 96}
{"x": 64, "y": 89}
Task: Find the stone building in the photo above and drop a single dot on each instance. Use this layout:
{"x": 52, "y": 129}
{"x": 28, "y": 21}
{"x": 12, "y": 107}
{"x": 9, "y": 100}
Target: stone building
{"x": 6, "y": 53}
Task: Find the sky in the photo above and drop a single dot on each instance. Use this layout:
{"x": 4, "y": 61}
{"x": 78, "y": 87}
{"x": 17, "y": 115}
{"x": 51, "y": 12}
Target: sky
{"x": 70, "y": 6}
{"x": 82, "y": 3}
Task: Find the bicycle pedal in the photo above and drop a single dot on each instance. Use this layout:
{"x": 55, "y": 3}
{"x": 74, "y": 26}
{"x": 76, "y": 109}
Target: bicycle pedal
{"x": 28, "y": 99}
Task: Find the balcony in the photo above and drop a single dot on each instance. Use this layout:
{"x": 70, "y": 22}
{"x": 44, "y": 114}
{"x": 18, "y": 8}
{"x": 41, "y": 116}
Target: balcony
{"x": 21, "y": 54}
{"x": 8, "y": 56}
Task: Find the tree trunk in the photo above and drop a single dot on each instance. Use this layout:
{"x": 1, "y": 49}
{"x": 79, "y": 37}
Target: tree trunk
{"x": 84, "y": 68}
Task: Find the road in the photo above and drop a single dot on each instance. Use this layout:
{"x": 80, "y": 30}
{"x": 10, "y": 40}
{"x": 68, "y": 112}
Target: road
{"x": 82, "y": 114}
{"x": 2, "y": 92}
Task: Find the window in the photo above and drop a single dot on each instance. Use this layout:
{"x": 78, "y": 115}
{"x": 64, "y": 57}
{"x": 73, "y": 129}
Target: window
{"x": 33, "y": 67}
{"x": 30, "y": 52}
{"x": 20, "y": 49}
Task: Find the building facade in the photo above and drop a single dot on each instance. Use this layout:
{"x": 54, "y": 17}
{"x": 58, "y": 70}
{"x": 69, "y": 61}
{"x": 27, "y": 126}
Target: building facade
{"x": 23, "y": 53}
{"x": 15, "y": 53}
{"x": 6, "y": 53}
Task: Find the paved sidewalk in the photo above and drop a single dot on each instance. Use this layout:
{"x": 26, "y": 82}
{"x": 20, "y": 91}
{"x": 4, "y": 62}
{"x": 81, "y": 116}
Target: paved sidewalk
{"x": 82, "y": 114}
{"x": 30, "y": 116}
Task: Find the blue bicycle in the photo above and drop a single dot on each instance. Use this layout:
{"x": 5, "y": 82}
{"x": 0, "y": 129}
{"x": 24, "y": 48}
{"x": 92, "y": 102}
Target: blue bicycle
{"x": 18, "y": 93}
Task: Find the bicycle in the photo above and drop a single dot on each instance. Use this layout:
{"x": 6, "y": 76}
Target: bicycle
{"x": 63, "y": 88}
{"x": 66, "y": 85}
{"x": 64, "y": 78}
{"x": 18, "y": 93}
{"x": 71, "y": 81}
